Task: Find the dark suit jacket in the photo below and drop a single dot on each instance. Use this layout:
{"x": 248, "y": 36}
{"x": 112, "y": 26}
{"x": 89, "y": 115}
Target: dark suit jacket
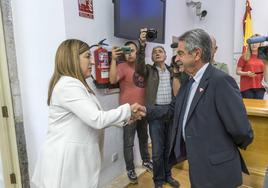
{"x": 216, "y": 126}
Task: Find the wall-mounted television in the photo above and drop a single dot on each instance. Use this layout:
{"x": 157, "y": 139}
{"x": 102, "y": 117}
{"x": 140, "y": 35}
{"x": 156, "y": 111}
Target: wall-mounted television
{"x": 131, "y": 15}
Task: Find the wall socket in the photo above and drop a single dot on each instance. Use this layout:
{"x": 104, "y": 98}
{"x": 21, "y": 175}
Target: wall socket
{"x": 114, "y": 157}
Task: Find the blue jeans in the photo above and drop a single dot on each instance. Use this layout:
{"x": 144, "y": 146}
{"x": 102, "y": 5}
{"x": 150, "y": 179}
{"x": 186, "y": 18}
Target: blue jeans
{"x": 256, "y": 93}
{"x": 129, "y": 136}
{"x": 159, "y": 132}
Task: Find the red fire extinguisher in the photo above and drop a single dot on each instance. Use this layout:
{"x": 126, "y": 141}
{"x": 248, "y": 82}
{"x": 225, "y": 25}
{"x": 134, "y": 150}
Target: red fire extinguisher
{"x": 101, "y": 65}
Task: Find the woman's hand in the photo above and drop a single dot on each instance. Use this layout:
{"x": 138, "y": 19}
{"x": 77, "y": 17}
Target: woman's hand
{"x": 137, "y": 112}
{"x": 250, "y": 74}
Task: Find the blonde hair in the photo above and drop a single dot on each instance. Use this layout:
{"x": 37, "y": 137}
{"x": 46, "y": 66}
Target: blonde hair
{"x": 67, "y": 63}
{"x": 247, "y": 53}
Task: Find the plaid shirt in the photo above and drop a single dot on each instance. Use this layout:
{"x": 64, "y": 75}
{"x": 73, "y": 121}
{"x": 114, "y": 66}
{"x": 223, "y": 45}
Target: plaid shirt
{"x": 164, "y": 95}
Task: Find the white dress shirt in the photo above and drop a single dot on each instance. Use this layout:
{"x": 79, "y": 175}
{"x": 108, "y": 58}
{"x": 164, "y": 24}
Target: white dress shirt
{"x": 191, "y": 94}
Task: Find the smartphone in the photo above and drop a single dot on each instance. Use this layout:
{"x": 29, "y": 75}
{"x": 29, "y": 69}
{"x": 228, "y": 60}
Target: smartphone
{"x": 125, "y": 49}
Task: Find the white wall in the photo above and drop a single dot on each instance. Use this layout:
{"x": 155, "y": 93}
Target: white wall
{"x": 218, "y": 22}
{"x": 259, "y": 16}
{"x": 38, "y": 29}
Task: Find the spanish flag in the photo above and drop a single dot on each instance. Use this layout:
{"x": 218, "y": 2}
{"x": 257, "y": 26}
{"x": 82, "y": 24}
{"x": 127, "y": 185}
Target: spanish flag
{"x": 247, "y": 25}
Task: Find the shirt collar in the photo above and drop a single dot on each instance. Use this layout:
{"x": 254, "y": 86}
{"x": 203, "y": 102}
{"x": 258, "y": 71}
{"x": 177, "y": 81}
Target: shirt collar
{"x": 159, "y": 69}
{"x": 200, "y": 73}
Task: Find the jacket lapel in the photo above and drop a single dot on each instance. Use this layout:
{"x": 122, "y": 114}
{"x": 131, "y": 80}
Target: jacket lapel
{"x": 201, "y": 89}
{"x": 178, "y": 106}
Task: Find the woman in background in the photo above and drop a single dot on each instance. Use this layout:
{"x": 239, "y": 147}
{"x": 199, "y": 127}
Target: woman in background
{"x": 70, "y": 157}
{"x": 250, "y": 68}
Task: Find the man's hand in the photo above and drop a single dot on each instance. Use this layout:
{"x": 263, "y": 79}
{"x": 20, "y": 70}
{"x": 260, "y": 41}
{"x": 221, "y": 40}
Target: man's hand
{"x": 116, "y": 52}
{"x": 137, "y": 112}
{"x": 142, "y": 38}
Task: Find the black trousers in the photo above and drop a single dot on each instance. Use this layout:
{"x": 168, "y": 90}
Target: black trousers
{"x": 129, "y": 135}
{"x": 159, "y": 132}
{"x": 256, "y": 93}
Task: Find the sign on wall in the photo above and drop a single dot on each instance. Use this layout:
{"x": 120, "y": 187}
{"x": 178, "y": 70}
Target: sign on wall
{"x": 86, "y": 8}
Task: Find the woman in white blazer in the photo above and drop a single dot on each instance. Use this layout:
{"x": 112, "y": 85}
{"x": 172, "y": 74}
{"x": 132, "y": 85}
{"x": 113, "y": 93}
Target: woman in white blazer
{"x": 70, "y": 157}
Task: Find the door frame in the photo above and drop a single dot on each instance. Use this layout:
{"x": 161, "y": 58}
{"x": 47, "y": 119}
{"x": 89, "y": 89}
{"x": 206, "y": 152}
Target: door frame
{"x": 8, "y": 144}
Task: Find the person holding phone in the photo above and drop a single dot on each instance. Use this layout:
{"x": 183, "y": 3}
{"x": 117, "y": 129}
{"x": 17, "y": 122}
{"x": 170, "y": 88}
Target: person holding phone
{"x": 122, "y": 70}
{"x": 250, "y": 69}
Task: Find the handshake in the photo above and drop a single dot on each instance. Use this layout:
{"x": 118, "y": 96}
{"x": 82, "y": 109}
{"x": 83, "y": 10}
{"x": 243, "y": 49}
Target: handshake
{"x": 137, "y": 112}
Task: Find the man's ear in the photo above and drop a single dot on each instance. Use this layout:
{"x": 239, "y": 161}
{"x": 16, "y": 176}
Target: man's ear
{"x": 197, "y": 54}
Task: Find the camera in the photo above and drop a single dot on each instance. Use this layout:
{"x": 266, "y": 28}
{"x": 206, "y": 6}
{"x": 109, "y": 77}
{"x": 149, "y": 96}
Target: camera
{"x": 151, "y": 35}
{"x": 125, "y": 49}
{"x": 199, "y": 12}
{"x": 203, "y": 14}
{"x": 263, "y": 50}
{"x": 120, "y": 59}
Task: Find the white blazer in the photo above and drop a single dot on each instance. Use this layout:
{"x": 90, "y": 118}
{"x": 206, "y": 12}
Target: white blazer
{"x": 70, "y": 157}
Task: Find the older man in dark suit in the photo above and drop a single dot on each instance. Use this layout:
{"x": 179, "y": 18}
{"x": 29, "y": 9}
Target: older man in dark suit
{"x": 210, "y": 120}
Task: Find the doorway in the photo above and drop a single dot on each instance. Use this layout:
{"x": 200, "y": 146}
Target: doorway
{"x": 9, "y": 163}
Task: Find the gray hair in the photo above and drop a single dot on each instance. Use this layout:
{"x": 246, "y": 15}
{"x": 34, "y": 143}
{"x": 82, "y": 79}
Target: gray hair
{"x": 158, "y": 47}
{"x": 197, "y": 38}
{"x": 161, "y": 47}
